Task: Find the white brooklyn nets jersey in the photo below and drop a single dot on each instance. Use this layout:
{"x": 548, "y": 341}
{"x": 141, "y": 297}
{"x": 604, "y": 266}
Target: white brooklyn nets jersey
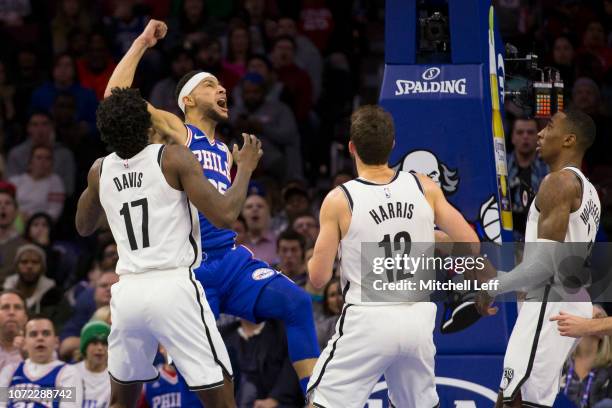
{"x": 154, "y": 225}
{"x": 536, "y": 352}
{"x": 583, "y": 223}
{"x": 381, "y": 213}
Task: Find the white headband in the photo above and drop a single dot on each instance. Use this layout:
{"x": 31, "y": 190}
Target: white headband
{"x": 189, "y": 86}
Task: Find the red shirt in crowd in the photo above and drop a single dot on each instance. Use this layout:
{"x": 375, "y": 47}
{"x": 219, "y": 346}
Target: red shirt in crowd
{"x": 95, "y": 81}
{"x": 316, "y": 22}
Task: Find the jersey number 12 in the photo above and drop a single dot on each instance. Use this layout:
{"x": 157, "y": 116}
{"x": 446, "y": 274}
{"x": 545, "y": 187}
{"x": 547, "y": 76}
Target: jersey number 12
{"x": 401, "y": 242}
{"x": 125, "y": 212}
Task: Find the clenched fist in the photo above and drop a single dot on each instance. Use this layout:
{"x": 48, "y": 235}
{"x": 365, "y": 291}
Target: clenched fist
{"x": 154, "y": 31}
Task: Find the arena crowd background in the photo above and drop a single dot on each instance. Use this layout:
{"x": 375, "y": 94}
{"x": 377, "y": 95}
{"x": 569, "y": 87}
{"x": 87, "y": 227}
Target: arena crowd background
{"x": 294, "y": 71}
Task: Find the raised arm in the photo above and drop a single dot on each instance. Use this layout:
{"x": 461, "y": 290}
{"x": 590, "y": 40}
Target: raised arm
{"x": 183, "y": 172}
{"x": 165, "y": 123}
{"x": 320, "y": 266}
{"x": 90, "y": 213}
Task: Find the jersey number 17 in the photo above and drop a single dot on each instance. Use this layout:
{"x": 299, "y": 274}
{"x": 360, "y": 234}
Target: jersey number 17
{"x": 125, "y": 213}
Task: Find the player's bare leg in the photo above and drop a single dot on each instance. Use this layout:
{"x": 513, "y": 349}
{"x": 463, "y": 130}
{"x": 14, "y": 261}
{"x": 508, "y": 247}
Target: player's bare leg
{"x": 124, "y": 395}
{"x": 221, "y": 397}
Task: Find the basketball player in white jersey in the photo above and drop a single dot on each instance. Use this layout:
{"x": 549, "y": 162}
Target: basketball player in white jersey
{"x": 394, "y": 339}
{"x": 566, "y": 209}
{"x": 145, "y": 191}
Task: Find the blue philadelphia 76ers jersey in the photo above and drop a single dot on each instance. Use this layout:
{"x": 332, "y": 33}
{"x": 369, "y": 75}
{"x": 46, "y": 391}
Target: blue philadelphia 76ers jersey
{"x": 214, "y": 159}
{"x": 169, "y": 392}
{"x": 22, "y": 381}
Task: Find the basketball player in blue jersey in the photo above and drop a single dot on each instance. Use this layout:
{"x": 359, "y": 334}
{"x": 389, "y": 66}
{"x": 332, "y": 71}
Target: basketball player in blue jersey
{"x": 235, "y": 282}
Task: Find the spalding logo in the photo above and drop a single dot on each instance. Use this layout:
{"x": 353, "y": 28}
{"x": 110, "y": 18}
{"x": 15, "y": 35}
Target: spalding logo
{"x": 431, "y": 73}
{"x": 262, "y": 273}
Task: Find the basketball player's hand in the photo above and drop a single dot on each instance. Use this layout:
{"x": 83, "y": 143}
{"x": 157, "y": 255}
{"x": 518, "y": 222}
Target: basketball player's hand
{"x": 484, "y": 304}
{"x": 250, "y": 153}
{"x": 154, "y": 31}
{"x": 572, "y": 326}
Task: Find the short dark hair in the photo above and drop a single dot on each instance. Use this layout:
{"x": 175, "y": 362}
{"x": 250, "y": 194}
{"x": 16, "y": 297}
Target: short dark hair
{"x": 41, "y": 316}
{"x": 124, "y": 122}
{"x": 291, "y": 235}
{"x": 261, "y": 57}
{"x": 524, "y": 118}
{"x": 31, "y": 220}
{"x": 181, "y": 83}
{"x": 580, "y": 124}
{"x": 372, "y": 133}
{"x": 38, "y": 147}
{"x": 5, "y": 188}
{"x": 305, "y": 214}
{"x": 18, "y": 294}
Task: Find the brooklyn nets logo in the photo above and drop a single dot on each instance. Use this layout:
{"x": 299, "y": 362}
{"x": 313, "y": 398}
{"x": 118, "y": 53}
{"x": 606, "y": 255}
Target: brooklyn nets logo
{"x": 508, "y": 376}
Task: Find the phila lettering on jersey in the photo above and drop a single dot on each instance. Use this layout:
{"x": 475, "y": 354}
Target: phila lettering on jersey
{"x": 214, "y": 158}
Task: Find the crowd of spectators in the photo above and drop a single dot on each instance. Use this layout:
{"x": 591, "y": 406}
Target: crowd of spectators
{"x": 575, "y": 37}
{"x": 293, "y": 71}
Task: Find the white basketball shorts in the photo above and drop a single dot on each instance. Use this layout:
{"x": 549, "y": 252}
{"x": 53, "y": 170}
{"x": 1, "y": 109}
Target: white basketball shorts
{"x": 536, "y": 352}
{"x": 168, "y": 308}
{"x": 394, "y": 340}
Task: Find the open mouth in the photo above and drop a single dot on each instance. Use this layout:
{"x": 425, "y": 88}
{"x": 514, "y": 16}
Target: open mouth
{"x": 222, "y": 103}
{"x": 40, "y": 348}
